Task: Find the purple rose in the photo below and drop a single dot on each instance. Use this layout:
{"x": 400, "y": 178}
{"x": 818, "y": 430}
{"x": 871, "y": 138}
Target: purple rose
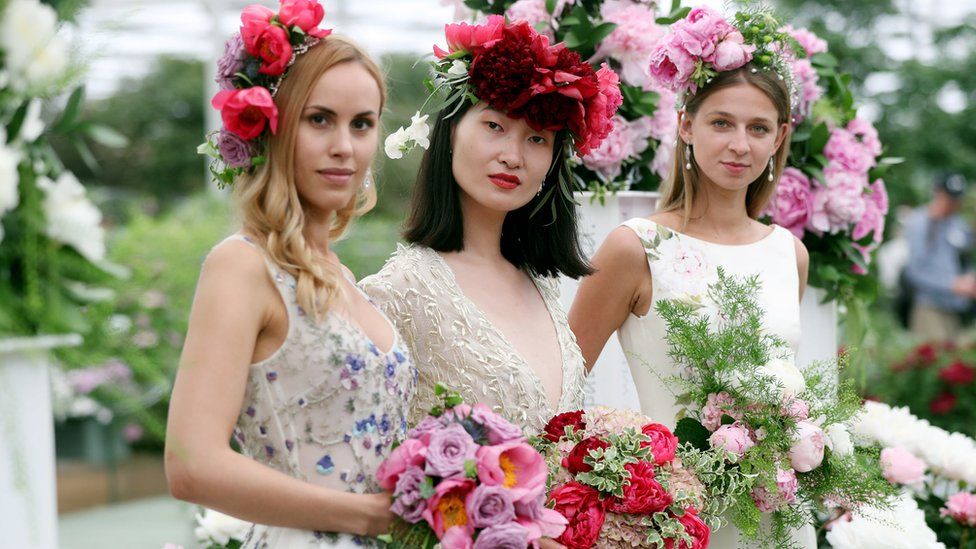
{"x": 408, "y": 503}
{"x": 498, "y": 429}
{"x": 510, "y": 535}
{"x": 792, "y": 204}
{"x": 231, "y": 62}
{"x": 489, "y": 506}
{"x": 235, "y": 151}
{"x": 426, "y": 426}
{"x": 448, "y": 450}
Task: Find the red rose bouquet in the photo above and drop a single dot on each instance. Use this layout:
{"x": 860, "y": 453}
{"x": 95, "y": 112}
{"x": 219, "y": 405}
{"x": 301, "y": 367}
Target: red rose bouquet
{"x": 616, "y": 477}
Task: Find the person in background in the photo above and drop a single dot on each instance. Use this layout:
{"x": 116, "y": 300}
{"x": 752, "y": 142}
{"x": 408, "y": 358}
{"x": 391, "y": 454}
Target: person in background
{"x": 940, "y": 282}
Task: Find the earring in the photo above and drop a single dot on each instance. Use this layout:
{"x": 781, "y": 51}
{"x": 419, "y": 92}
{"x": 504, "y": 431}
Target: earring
{"x": 541, "y": 185}
{"x": 368, "y": 180}
{"x": 771, "y": 169}
{"x": 688, "y": 156}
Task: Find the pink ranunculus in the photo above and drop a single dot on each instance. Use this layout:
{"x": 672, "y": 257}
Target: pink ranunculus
{"x": 663, "y": 443}
{"x": 807, "y": 451}
{"x": 457, "y": 537}
{"x": 962, "y": 507}
{"x": 514, "y": 465}
{"x": 786, "y": 487}
{"x": 470, "y": 38}
{"x": 307, "y": 14}
{"x": 247, "y": 112}
{"x": 792, "y": 204}
{"x": 731, "y": 53}
{"x": 410, "y": 453}
{"x": 733, "y": 437}
{"x": 446, "y": 508}
{"x": 900, "y": 466}
{"x": 632, "y": 41}
{"x": 717, "y": 405}
{"x": 810, "y": 42}
{"x": 254, "y": 20}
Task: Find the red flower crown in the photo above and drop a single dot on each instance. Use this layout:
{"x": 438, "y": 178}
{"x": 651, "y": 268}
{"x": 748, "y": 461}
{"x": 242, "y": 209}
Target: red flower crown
{"x": 249, "y": 73}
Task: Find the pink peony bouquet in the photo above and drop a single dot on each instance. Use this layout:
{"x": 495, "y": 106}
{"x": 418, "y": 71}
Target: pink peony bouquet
{"x": 466, "y": 478}
{"x": 617, "y": 478}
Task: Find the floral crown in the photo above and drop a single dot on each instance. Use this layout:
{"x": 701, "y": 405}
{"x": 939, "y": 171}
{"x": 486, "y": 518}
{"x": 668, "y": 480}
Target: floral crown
{"x": 514, "y": 69}
{"x": 252, "y": 68}
{"x": 704, "y": 44}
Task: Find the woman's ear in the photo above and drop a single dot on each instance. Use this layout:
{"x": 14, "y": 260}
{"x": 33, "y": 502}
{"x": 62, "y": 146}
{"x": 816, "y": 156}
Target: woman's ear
{"x": 684, "y": 126}
{"x": 784, "y": 130}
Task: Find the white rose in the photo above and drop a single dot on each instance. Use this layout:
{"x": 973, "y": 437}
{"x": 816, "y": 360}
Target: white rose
{"x": 71, "y": 218}
{"x": 839, "y": 439}
{"x": 419, "y": 131}
{"x": 787, "y": 376}
{"x": 26, "y": 27}
{"x": 220, "y": 528}
{"x": 33, "y": 126}
{"x": 396, "y": 143}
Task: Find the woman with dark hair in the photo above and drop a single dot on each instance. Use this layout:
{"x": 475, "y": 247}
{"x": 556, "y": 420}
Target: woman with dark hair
{"x": 733, "y": 142}
{"x": 492, "y": 223}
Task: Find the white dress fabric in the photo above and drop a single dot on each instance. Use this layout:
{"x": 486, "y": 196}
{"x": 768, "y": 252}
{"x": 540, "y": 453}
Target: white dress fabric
{"x": 682, "y": 267}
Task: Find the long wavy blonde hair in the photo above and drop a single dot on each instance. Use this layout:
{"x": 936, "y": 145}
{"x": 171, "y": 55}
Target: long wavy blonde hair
{"x": 678, "y": 191}
{"x": 268, "y": 201}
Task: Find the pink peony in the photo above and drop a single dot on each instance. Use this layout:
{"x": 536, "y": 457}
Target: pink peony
{"x": 457, "y": 537}
{"x": 839, "y": 203}
{"x": 962, "y": 507}
{"x": 471, "y": 38}
{"x": 539, "y": 520}
{"x": 810, "y": 42}
{"x": 786, "y": 487}
{"x": 617, "y": 148}
{"x": 865, "y": 134}
{"x": 900, "y": 466}
{"x": 514, "y": 465}
{"x": 246, "y": 112}
{"x": 408, "y": 454}
{"x": 731, "y": 53}
{"x": 718, "y": 404}
{"x": 663, "y": 443}
{"x": 844, "y": 148}
{"x": 797, "y": 409}
{"x": 807, "y": 81}
{"x": 254, "y": 20}
{"x": 807, "y": 452}
{"x": 307, "y": 14}
{"x": 875, "y": 210}
{"x": 733, "y": 438}
{"x": 531, "y": 11}
{"x": 446, "y": 508}
{"x": 792, "y": 204}
{"x": 632, "y": 41}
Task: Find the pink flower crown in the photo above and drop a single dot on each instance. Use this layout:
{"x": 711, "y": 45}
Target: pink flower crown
{"x": 249, "y": 73}
{"x": 704, "y": 44}
{"x": 513, "y": 68}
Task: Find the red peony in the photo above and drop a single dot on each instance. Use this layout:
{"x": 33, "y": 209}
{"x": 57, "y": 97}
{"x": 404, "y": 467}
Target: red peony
{"x": 574, "y": 461}
{"x": 583, "y": 509}
{"x": 643, "y": 495}
{"x": 556, "y": 427}
{"x": 273, "y": 49}
{"x": 663, "y": 444}
{"x": 943, "y": 403}
{"x": 246, "y": 112}
{"x": 695, "y": 528}
{"x": 471, "y": 38}
{"x": 502, "y": 75}
{"x": 254, "y": 20}
{"x": 600, "y": 110}
{"x": 307, "y": 14}
{"x": 958, "y": 373}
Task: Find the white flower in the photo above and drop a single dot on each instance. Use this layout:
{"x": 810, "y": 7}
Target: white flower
{"x": 71, "y": 217}
{"x": 33, "y": 50}
{"x": 33, "y": 126}
{"x": 48, "y": 64}
{"x": 901, "y": 527}
{"x": 787, "y": 376}
{"x": 396, "y": 144}
{"x": 839, "y": 439}
{"x": 684, "y": 269}
{"x": 400, "y": 141}
{"x": 419, "y": 131}
{"x": 9, "y": 179}
{"x": 458, "y": 68}
{"x": 220, "y": 528}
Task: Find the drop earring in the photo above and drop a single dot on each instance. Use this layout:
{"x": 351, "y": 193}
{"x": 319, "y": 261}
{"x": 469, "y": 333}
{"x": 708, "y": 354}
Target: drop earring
{"x": 541, "y": 185}
{"x": 771, "y": 169}
{"x": 688, "y": 156}
{"x": 368, "y": 180}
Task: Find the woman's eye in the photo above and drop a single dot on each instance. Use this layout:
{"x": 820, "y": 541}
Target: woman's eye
{"x": 760, "y": 129}
{"x": 317, "y": 119}
{"x": 538, "y": 139}
{"x": 494, "y": 126}
{"x": 362, "y": 124}
{"x": 720, "y": 124}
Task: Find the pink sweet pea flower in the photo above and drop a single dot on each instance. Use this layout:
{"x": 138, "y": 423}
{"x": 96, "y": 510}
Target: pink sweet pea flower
{"x": 467, "y": 38}
{"x": 307, "y": 14}
{"x": 411, "y": 453}
{"x": 514, "y": 465}
{"x": 446, "y": 508}
{"x": 246, "y": 112}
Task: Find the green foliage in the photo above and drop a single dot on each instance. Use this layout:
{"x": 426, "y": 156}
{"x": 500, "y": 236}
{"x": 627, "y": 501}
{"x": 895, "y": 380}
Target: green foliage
{"x": 609, "y": 474}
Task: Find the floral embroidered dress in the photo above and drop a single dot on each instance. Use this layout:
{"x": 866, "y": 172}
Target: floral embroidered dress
{"x": 324, "y": 408}
{"x": 682, "y": 267}
{"x": 452, "y": 341}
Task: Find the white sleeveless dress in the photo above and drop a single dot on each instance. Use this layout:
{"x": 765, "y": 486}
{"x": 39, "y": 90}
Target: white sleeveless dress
{"x": 683, "y": 266}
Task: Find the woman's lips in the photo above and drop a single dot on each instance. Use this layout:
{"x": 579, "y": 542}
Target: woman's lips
{"x": 734, "y": 167}
{"x": 504, "y": 180}
{"x": 336, "y": 175}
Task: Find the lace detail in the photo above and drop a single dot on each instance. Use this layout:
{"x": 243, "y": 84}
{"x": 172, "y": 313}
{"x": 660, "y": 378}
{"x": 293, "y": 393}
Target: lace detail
{"x": 453, "y": 342}
{"x": 326, "y": 407}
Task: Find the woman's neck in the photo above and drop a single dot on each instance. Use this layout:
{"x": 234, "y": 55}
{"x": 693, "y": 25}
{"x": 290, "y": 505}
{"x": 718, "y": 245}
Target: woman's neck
{"x": 716, "y": 211}
{"x": 316, "y": 231}
{"x": 482, "y": 231}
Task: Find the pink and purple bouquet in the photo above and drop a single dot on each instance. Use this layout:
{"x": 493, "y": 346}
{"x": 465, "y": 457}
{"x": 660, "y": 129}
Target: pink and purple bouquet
{"x": 466, "y": 478}
{"x": 617, "y": 478}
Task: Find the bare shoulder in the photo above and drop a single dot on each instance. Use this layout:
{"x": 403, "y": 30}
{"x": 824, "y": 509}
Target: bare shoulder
{"x": 234, "y": 262}
{"x": 671, "y": 220}
{"x": 802, "y": 255}
{"x": 623, "y": 244}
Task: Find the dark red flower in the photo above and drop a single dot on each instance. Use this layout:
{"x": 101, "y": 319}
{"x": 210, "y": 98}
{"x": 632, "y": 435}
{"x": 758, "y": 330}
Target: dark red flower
{"x": 943, "y": 403}
{"x": 695, "y": 528}
{"x": 574, "y": 461}
{"x": 663, "y": 443}
{"x": 556, "y": 427}
{"x": 643, "y": 494}
{"x": 926, "y": 353}
{"x": 503, "y": 73}
{"x": 958, "y": 373}
{"x": 583, "y": 509}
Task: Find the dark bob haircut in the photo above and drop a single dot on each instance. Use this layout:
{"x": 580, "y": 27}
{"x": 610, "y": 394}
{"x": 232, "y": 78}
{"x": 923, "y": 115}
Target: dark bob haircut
{"x": 545, "y": 243}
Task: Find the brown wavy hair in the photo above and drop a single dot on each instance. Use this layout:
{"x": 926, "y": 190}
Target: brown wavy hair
{"x": 678, "y": 192}
{"x": 268, "y": 202}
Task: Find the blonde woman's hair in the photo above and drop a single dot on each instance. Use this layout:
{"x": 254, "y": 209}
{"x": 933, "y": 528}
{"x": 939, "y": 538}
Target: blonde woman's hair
{"x": 268, "y": 201}
{"x": 678, "y": 191}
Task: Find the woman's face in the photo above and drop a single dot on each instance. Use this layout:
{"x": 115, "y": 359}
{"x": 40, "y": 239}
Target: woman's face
{"x": 733, "y": 135}
{"x": 337, "y": 137}
{"x": 499, "y": 162}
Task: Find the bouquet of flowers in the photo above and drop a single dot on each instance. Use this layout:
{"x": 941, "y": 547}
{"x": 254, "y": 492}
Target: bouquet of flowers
{"x": 467, "y": 478}
{"x": 618, "y": 479}
{"x": 785, "y": 433}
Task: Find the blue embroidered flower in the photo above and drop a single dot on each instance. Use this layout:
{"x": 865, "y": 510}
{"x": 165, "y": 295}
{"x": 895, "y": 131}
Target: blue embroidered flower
{"x": 390, "y": 368}
{"x": 290, "y": 445}
{"x": 373, "y": 349}
{"x": 268, "y": 449}
{"x": 263, "y": 430}
{"x": 272, "y": 376}
{"x": 355, "y": 363}
{"x": 325, "y": 465}
{"x": 302, "y": 402}
{"x": 249, "y": 411}
{"x": 384, "y": 424}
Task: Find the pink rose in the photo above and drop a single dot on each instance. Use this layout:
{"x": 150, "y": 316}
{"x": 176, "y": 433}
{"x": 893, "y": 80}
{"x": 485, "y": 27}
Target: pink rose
{"x": 457, "y": 537}
{"x": 307, "y": 14}
{"x": 785, "y": 494}
{"x": 408, "y": 454}
{"x": 733, "y": 437}
{"x": 254, "y": 20}
{"x": 246, "y": 112}
{"x": 899, "y": 466}
{"x": 792, "y": 204}
{"x": 807, "y": 452}
{"x": 962, "y": 507}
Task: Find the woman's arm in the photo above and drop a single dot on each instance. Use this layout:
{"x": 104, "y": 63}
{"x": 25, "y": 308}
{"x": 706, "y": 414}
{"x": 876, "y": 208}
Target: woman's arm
{"x": 802, "y": 264}
{"x": 620, "y": 285}
{"x": 233, "y": 303}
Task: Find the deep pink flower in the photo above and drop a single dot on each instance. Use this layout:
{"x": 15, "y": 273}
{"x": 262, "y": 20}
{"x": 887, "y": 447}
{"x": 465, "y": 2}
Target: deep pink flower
{"x": 307, "y": 14}
{"x": 408, "y": 454}
{"x": 446, "y": 508}
{"x": 471, "y": 38}
{"x": 246, "y": 112}
{"x": 254, "y": 20}
{"x": 514, "y": 465}
{"x": 962, "y": 507}
{"x": 792, "y": 204}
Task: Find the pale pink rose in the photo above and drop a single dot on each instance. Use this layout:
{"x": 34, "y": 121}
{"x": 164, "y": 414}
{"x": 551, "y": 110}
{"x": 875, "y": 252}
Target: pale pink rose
{"x": 807, "y": 452}
{"x": 786, "y": 487}
{"x": 731, "y": 53}
{"x": 792, "y": 203}
{"x": 718, "y": 404}
{"x": 733, "y": 437}
{"x": 632, "y": 41}
{"x": 962, "y": 507}
{"x": 844, "y": 148}
{"x": 900, "y": 466}
{"x": 809, "y": 41}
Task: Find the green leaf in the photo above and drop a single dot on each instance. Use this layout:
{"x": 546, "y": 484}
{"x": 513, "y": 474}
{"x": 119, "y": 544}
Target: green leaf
{"x": 601, "y": 31}
{"x": 818, "y": 138}
{"x": 550, "y": 6}
{"x": 71, "y": 109}
{"x": 106, "y": 136}
{"x": 13, "y": 128}
{"x": 690, "y": 430}
{"x": 471, "y": 469}
{"x": 824, "y": 60}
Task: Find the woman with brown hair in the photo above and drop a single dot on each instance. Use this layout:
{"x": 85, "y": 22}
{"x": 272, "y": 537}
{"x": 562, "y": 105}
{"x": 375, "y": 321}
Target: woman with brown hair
{"x": 283, "y": 351}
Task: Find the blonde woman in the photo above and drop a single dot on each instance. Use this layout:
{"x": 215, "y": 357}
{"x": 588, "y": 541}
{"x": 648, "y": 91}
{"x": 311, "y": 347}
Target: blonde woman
{"x": 283, "y": 351}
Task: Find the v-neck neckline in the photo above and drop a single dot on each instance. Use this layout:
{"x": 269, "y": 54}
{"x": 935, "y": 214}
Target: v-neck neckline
{"x": 524, "y": 364}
